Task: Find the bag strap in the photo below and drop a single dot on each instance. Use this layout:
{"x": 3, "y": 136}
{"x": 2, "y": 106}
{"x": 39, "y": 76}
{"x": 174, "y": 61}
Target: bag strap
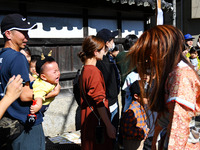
{"x": 86, "y": 99}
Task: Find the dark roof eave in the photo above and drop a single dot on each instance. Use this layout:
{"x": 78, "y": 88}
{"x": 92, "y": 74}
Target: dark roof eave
{"x": 147, "y": 3}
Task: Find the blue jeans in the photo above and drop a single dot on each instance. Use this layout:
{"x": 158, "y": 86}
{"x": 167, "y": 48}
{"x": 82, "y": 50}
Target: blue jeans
{"x": 114, "y": 113}
{"x": 115, "y": 122}
{"x": 30, "y": 140}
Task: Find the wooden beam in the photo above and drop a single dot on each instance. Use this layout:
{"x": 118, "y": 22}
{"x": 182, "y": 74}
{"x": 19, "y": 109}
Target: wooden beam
{"x": 159, "y": 3}
{"x": 67, "y": 76}
{"x": 57, "y": 41}
{"x": 51, "y": 41}
{"x": 85, "y": 22}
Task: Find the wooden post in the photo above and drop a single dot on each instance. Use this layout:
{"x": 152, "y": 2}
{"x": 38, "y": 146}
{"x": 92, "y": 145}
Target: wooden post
{"x": 174, "y": 12}
{"x": 159, "y": 13}
{"x": 85, "y": 22}
{"x": 159, "y": 3}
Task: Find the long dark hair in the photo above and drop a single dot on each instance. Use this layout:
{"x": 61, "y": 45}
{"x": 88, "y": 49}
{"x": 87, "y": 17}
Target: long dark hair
{"x": 156, "y": 53}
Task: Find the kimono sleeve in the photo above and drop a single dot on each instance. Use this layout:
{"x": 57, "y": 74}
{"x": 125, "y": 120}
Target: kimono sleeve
{"x": 181, "y": 105}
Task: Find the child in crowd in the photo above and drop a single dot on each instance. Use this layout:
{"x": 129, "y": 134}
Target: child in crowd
{"x": 133, "y": 122}
{"x": 32, "y": 67}
{"x": 185, "y": 51}
{"x": 130, "y": 79}
{"x": 46, "y": 83}
{"x": 27, "y": 53}
{"x": 194, "y": 58}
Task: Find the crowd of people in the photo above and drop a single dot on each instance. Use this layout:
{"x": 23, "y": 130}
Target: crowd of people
{"x": 156, "y": 74}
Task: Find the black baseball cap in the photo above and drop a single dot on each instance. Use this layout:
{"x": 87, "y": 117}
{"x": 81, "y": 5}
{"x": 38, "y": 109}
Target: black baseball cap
{"x": 106, "y": 34}
{"x": 16, "y": 22}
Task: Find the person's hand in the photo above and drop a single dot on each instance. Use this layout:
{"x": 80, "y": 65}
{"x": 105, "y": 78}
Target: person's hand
{"x": 57, "y": 89}
{"x": 14, "y": 88}
{"x": 36, "y": 106}
{"x": 34, "y": 109}
{"x": 54, "y": 92}
{"x": 111, "y": 131}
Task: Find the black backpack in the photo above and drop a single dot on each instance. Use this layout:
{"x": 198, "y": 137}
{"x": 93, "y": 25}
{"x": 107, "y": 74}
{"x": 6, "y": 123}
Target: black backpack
{"x": 76, "y": 88}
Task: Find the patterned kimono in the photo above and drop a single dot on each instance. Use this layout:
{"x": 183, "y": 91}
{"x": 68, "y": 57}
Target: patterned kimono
{"x": 182, "y": 91}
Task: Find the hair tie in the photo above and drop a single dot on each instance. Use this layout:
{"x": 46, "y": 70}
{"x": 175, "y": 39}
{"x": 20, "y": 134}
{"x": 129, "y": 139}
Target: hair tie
{"x": 83, "y": 53}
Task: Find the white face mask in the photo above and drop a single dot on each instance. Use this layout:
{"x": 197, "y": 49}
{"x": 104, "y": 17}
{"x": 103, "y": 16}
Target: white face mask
{"x": 113, "y": 46}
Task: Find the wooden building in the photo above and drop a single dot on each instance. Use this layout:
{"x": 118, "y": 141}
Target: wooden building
{"x": 63, "y": 25}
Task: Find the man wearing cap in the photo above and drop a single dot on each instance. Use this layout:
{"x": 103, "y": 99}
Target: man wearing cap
{"x": 110, "y": 74}
{"x": 14, "y": 28}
